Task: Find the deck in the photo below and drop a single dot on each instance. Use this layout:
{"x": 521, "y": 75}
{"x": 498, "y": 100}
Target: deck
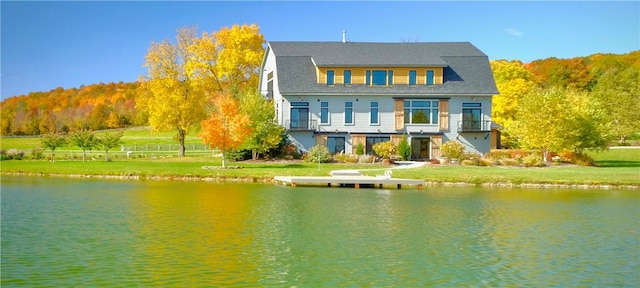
{"x": 342, "y": 180}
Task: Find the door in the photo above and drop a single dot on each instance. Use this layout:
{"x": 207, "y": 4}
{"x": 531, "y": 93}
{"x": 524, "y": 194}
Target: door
{"x": 420, "y": 148}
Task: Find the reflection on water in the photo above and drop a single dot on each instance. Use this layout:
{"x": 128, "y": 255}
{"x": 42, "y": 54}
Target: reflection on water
{"x": 63, "y": 232}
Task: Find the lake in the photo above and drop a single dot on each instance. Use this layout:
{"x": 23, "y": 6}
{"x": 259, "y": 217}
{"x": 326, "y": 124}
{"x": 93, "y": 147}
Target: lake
{"x": 63, "y": 232}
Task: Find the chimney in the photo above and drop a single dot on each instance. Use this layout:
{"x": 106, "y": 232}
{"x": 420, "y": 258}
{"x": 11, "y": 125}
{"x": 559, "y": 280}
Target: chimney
{"x": 344, "y": 36}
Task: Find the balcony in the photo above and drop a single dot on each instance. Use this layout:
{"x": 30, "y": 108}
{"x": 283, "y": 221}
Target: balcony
{"x": 474, "y": 126}
{"x": 301, "y": 125}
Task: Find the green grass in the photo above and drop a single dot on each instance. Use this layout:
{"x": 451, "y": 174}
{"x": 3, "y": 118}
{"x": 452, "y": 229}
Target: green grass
{"x": 613, "y": 167}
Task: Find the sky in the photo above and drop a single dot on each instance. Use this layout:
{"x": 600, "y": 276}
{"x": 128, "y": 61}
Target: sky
{"x": 52, "y": 44}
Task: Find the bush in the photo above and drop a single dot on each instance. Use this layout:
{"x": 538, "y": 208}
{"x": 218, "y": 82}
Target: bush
{"x": 385, "y": 149}
{"x": 452, "y": 149}
{"x": 366, "y": 159}
{"x": 360, "y": 149}
{"x": 583, "y": 160}
{"x": 3, "y": 155}
{"x": 404, "y": 149}
{"x": 37, "y": 153}
{"x": 509, "y": 162}
{"x": 533, "y": 160}
{"x": 499, "y": 154}
{"x": 434, "y": 161}
{"x": 345, "y": 158}
{"x": 318, "y": 153}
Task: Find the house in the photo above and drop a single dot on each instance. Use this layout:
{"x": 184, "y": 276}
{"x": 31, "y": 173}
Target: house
{"x": 342, "y": 94}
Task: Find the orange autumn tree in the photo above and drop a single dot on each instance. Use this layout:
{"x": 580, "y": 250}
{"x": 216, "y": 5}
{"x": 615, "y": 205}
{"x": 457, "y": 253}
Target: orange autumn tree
{"x": 227, "y": 128}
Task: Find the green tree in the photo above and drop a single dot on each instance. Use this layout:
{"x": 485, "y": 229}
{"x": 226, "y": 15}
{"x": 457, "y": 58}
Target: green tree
{"x": 107, "y": 141}
{"x": 558, "y": 120}
{"x": 53, "y": 141}
{"x": 85, "y": 140}
{"x": 618, "y": 92}
{"x": 267, "y": 134}
{"x": 404, "y": 149}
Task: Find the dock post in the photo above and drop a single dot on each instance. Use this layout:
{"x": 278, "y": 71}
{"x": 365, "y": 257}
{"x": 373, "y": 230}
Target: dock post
{"x": 399, "y": 186}
{"x": 357, "y": 185}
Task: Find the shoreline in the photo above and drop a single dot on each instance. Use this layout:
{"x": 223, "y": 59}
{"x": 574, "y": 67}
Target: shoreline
{"x": 270, "y": 180}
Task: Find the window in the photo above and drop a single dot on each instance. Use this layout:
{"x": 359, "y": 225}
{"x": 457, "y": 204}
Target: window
{"x": 421, "y": 112}
{"x": 379, "y": 77}
{"x": 348, "y": 113}
{"x": 299, "y": 115}
{"x": 347, "y": 77}
{"x": 471, "y": 116}
{"x": 429, "y": 77}
{"x": 324, "y": 112}
{"x": 412, "y": 77}
{"x": 335, "y": 144}
{"x": 270, "y": 85}
{"x": 390, "y": 81}
{"x": 374, "y": 115}
{"x": 330, "y": 77}
{"x": 368, "y": 77}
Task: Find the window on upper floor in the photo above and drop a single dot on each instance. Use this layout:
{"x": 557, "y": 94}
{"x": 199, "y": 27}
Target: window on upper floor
{"x": 324, "y": 112}
{"x": 374, "y": 114}
{"x": 348, "y": 113}
{"x": 368, "y": 77}
{"x": 412, "y": 77}
{"x": 347, "y": 77}
{"x": 330, "y": 77}
{"x": 380, "y": 77}
{"x": 421, "y": 111}
{"x": 430, "y": 77}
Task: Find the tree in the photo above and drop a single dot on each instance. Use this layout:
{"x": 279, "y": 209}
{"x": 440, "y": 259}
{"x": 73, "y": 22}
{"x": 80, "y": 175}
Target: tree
{"x": 557, "y": 120}
{"x": 239, "y": 55}
{"x": 618, "y": 92}
{"x": 513, "y": 82}
{"x": 404, "y": 149}
{"x": 85, "y": 140}
{"x": 52, "y": 141}
{"x": 227, "y": 128}
{"x": 267, "y": 134}
{"x": 107, "y": 141}
{"x": 174, "y": 98}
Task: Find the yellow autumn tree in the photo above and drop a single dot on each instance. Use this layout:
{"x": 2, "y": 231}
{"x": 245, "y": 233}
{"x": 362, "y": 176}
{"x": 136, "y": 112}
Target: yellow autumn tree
{"x": 514, "y": 82}
{"x": 174, "y": 97}
{"x": 227, "y": 127}
{"x": 239, "y": 56}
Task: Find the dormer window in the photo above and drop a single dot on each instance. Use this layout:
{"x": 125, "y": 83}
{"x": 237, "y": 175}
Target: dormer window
{"x": 330, "y": 77}
{"x": 412, "y": 77}
{"x": 347, "y": 77}
{"x": 430, "y": 80}
{"x": 380, "y": 77}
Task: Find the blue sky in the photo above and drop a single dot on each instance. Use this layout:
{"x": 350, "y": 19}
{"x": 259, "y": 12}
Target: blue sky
{"x": 45, "y": 45}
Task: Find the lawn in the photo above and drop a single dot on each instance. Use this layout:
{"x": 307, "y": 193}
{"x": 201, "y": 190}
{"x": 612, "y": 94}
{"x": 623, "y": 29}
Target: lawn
{"x": 613, "y": 166}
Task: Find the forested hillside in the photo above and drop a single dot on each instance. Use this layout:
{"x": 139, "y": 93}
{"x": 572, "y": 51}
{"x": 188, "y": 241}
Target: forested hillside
{"x": 606, "y": 77}
{"x": 94, "y": 107}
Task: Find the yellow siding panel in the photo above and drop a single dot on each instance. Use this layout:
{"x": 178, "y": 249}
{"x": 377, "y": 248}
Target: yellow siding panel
{"x": 400, "y": 74}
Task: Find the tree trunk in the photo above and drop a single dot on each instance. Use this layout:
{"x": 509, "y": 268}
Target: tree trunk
{"x": 254, "y": 154}
{"x": 52, "y": 156}
{"x": 83, "y": 155}
{"x": 224, "y": 165}
{"x": 181, "y": 134}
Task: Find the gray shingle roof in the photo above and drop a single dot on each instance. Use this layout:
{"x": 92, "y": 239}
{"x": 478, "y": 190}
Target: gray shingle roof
{"x": 466, "y": 68}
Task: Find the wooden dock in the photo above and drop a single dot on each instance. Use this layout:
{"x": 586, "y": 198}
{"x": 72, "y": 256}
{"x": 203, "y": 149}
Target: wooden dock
{"x": 344, "y": 180}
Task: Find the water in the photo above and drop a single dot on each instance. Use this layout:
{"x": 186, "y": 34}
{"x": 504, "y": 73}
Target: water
{"x": 60, "y": 232}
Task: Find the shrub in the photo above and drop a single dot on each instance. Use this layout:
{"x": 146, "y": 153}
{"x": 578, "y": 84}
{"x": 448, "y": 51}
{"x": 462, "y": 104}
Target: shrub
{"x": 345, "y": 158}
{"x": 468, "y": 162}
{"x": 434, "y": 161}
{"x": 366, "y": 159}
{"x": 318, "y": 153}
{"x": 583, "y": 160}
{"x": 3, "y": 155}
{"x": 360, "y": 149}
{"x": 37, "y": 153}
{"x": 499, "y": 154}
{"x": 518, "y": 154}
{"x": 404, "y": 149}
{"x": 509, "y": 162}
{"x": 452, "y": 149}
{"x": 485, "y": 162}
{"x": 385, "y": 149}
{"x": 533, "y": 160}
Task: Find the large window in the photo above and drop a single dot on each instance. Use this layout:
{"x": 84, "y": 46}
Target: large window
{"x": 471, "y": 116}
{"x": 347, "y": 77}
{"x": 324, "y": 112}
{"x": 374, "y": 118}
{"x": 412, "y": 77}
{"x": 330, "y": 77}
{"x": 335, "y": 144}
{"x": 379, "y": 77}
{"x": 421, "y": 111}
{"x": 299, "y": 115}
{"x": 348, "y": 113}
{"x": 430, "y": 77}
